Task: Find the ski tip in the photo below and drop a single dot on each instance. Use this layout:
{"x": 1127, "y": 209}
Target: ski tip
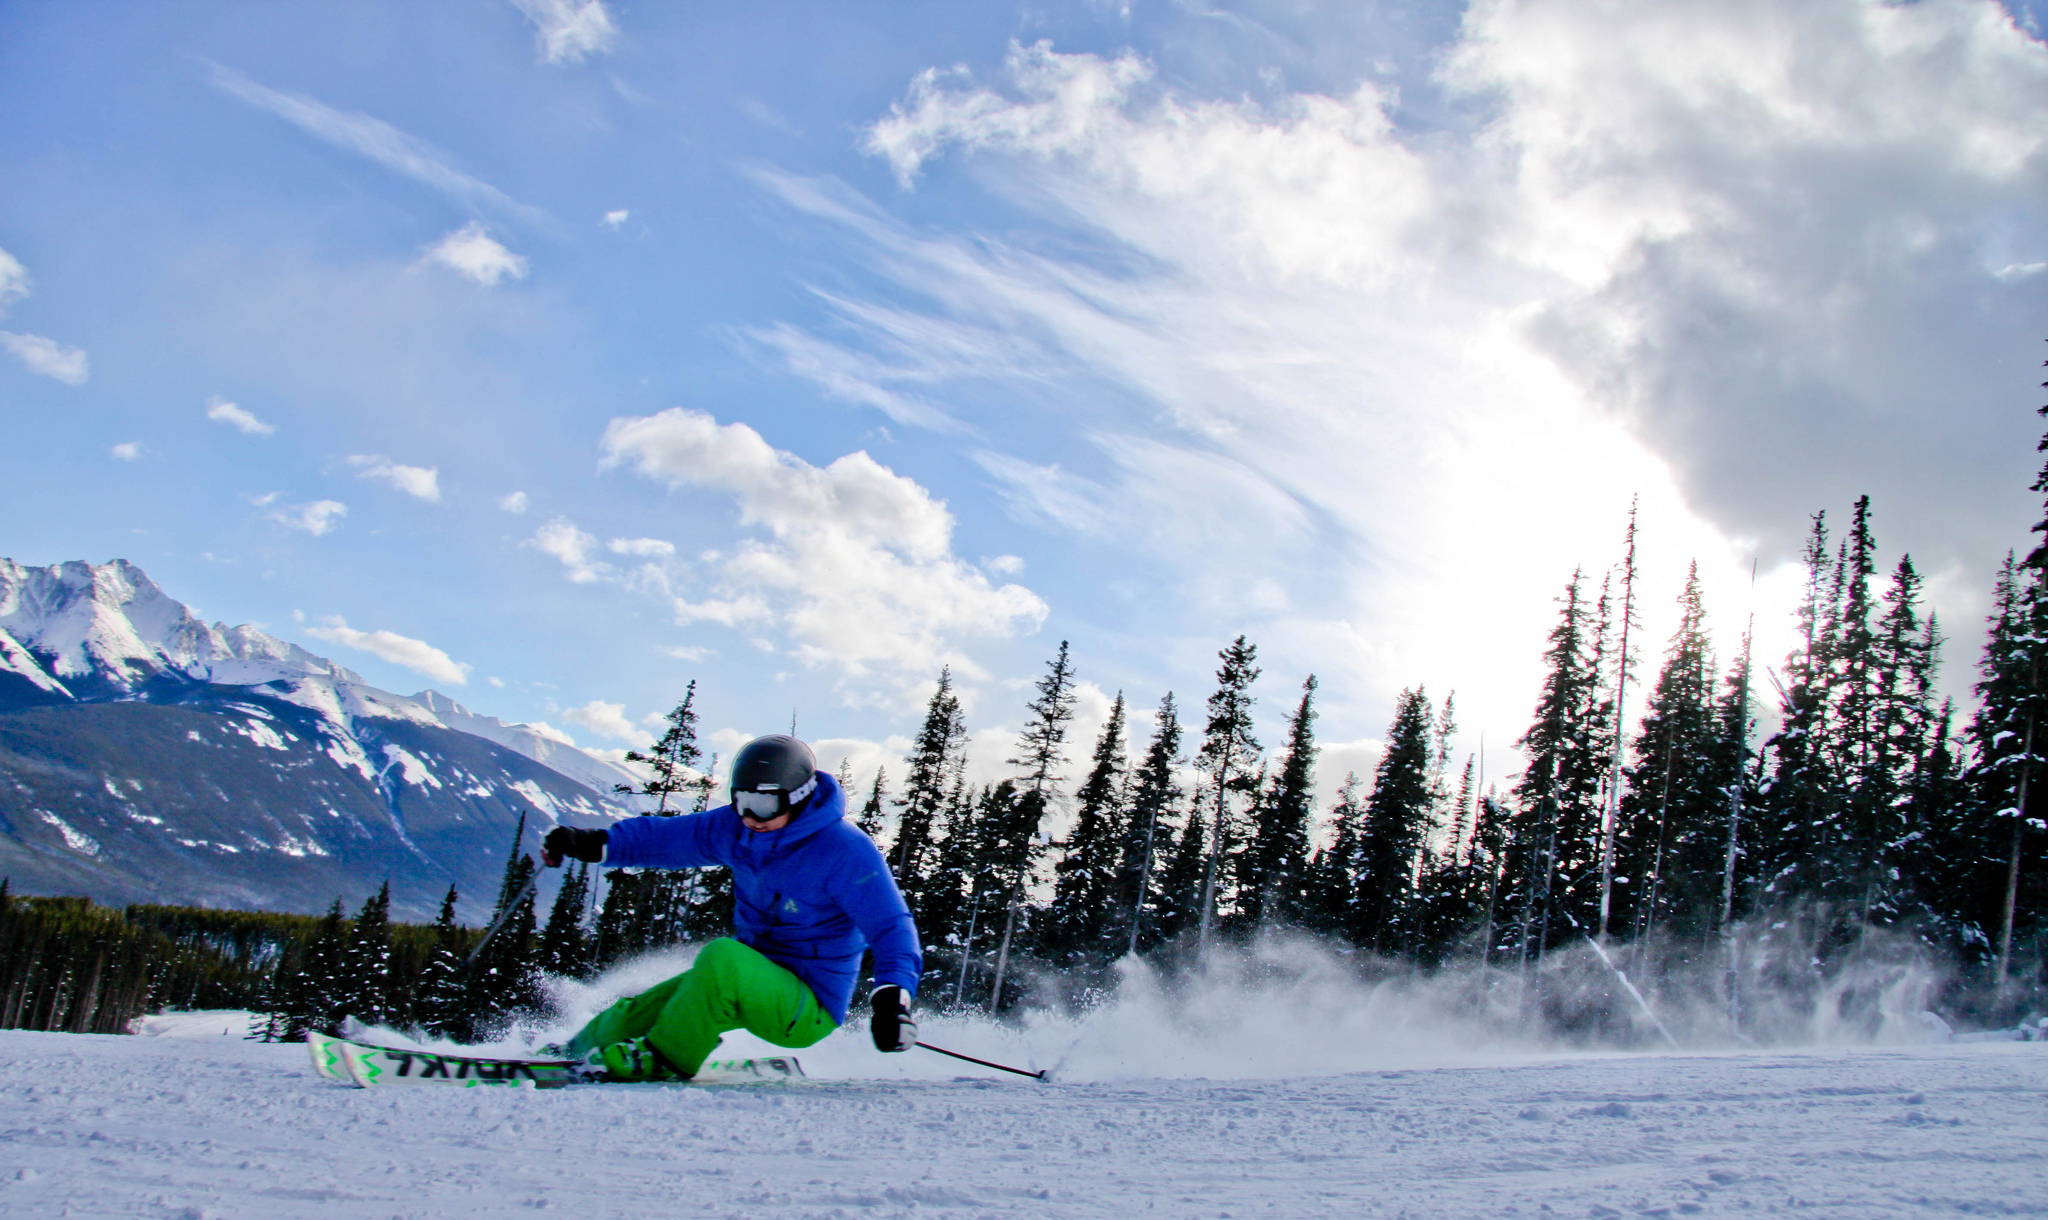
{"x": 328, "y": 1061}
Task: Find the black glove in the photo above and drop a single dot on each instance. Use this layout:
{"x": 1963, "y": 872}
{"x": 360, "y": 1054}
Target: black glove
{"x": 892, "y": 1027}
{"x": 586, "y": 845}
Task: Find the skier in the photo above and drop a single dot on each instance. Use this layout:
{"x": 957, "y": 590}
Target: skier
{"x": 811, "y": 892}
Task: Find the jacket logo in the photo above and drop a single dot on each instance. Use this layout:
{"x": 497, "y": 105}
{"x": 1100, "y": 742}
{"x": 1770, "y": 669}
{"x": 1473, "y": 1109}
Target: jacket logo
{"x": 789, "y": 905}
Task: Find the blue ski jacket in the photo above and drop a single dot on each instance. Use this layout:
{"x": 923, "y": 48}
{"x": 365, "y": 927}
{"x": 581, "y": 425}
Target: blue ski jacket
{"x": 810, "y": 896}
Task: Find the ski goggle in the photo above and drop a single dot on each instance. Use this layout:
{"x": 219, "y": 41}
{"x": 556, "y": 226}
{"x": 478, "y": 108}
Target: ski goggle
{"x": 769, "y": 805}
{"x": 758, "y": 806}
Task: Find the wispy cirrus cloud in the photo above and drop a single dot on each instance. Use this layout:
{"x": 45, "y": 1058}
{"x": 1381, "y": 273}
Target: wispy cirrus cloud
{"x": 379, "y": 141}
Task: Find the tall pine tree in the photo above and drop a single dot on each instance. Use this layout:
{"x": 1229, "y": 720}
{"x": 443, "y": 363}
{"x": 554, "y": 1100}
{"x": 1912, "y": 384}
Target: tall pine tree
{"x": 1082, "y": 918}
{"x": 1227, "y": 754}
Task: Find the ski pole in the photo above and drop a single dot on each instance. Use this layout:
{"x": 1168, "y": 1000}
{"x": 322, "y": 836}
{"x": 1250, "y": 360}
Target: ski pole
{"x": 511, "y": 905}
{"x": 1038, "y": 1075}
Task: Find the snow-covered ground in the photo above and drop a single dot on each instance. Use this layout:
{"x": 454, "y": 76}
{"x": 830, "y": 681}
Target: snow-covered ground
{"x": 218, "y": 1127}
{"x": 1299, "y": 1100}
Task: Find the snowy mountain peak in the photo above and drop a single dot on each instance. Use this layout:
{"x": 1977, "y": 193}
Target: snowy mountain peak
{"x": 110, "y": 626}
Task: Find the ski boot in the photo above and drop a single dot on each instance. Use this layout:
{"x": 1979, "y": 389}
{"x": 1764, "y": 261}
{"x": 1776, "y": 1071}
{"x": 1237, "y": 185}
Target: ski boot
{"x": 632, "y": 1061}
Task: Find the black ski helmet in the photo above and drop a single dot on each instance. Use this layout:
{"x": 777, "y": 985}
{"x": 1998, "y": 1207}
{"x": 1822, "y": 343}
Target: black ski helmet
{"x": 780, "y": 764}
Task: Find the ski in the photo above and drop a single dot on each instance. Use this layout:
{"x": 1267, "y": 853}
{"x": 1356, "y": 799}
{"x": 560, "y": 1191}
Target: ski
{"x": 374, "y": 1066}
{"x": 327, "y": 1060}
{"x": 371, "y": 1066}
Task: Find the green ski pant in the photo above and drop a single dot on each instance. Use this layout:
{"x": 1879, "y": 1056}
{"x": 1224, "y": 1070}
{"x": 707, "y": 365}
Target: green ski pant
{"x": 728, "y": 987}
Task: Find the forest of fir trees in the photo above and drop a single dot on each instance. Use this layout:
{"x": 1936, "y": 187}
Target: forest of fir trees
{"x": 1653, "y": 824}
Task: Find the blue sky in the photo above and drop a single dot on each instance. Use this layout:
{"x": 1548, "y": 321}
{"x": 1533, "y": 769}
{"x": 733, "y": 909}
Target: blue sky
{"x": 802, "y": 349}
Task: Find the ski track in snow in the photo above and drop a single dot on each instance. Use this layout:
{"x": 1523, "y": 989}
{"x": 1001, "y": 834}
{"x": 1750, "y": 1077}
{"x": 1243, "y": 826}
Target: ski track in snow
{"x": 206, "y": 1125}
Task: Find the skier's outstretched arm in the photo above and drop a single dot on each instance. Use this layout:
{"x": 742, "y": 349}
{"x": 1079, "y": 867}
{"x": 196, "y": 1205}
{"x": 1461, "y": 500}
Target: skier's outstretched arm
{"x": 645, "y": 842}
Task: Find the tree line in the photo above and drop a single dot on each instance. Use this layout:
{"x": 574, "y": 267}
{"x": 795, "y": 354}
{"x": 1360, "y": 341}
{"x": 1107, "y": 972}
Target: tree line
{"x": 1651, "y": 819}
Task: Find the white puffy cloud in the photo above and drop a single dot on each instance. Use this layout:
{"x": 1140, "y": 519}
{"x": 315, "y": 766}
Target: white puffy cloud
{"x": 317, "y": 518}
{"x": 612, "y": 220}
{"x": 47, "y": 357}
{"x": 646, "y": 548}
{"x": 566, "y": 31}
{"x": 423, "y": 482}
{"x": 605, "y": 719}
{"x": 472, "y": 251}
{"x": 40, "y": 355}
{"x": 857, "y": 565}
{"x": 514, "y": 503}
{"x": 126, "y": 451}
{"x": 542, "y": 728}
{"x": 416, "y": 655}
{"x": 14, "y": 281}
{"x": 221, "y": 411}
{"x": 573, "y": 547}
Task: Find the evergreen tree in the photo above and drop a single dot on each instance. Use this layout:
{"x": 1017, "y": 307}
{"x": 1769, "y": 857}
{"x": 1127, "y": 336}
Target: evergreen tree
{"x": 672, "y": 759}
{"x": 1624, "y": 669}
{"x": 310, "y": 998}
{"x": 1672, "y": 832}
{"x": 1850, "y": 852}
{"x": 1277, "y": 856}
{"x": 933, "y": 765}
{"x": 870, "y": 822}
{"x": 1999, "y": 845}
{"x": 564, "y": 949}
{"x": 1333, "y": 891}
{"x": 1799, "y": 798}
{"x": 1553, "y": 838}
{"x": 1011, "y": 833}
{"x": 437, "y": 1006}
{"x": 364, "y": 984}
{"x": 1450, "y": 894}
{"x": 1151, "y": 798}
{"x": 1976, "y": 856}
{"x": 1486, "y": 857}
{"x": 1083, "y": 915}
{"x": 504, "y": 978}
{"x": 1177, "y": 899}
{"x": 702, "y": 898}
{"x": 1396, "y": 828}
{"x": 1228, "y": 750}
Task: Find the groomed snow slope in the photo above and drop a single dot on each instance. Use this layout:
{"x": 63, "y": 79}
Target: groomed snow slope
{"x": 213, "y": 1126}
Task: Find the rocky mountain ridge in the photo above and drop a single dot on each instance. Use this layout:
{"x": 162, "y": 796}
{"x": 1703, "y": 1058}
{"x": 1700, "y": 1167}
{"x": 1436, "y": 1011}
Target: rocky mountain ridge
{"x": 148, "y": 756}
